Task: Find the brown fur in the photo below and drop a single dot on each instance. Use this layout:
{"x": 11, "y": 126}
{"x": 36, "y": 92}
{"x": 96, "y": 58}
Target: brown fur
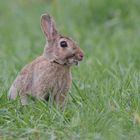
{"x": 48, "y": 75}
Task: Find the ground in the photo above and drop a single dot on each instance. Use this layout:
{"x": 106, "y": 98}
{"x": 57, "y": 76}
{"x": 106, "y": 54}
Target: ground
{"x": 104, "y": 101}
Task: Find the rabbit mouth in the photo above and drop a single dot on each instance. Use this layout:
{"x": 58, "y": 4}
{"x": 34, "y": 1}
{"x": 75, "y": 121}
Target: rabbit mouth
{"x": 72, "y": 62}
{"x": 67, "y": 62}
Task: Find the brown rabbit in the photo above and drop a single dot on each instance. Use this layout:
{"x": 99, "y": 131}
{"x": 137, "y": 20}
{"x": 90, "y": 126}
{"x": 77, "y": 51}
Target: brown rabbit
{"x": 49, "y": 75}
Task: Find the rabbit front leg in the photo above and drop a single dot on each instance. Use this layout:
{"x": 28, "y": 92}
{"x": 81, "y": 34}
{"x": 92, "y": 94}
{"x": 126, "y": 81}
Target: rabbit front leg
{"x": 59, "y": 96}
{"x": 60, "y": 99}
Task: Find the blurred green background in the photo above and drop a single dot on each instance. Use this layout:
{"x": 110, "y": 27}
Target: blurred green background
{"x": 104, "y": 100}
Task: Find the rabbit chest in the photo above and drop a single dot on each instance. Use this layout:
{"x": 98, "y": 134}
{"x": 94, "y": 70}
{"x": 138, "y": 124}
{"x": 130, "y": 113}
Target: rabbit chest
{"x": 51, "y": 78}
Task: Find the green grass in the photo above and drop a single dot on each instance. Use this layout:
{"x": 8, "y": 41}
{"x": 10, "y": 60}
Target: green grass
{"x": 104, "y": 101}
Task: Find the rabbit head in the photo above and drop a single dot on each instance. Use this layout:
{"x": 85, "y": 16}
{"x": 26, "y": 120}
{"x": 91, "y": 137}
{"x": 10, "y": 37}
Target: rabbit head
{"x": 60, "y": 49}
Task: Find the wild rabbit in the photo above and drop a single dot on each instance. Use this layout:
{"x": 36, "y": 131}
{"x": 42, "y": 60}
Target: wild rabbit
{"x": 49, "y": 75}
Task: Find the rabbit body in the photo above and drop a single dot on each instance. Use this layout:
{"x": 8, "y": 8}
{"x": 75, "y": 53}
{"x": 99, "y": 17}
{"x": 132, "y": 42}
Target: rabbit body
{"x": 49, "y": 75}
{"x": 41, "y": 78}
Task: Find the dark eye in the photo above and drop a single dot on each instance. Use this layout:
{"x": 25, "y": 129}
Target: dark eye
{"x": 63, "y": 44}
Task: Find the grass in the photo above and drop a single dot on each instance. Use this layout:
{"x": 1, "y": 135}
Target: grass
{"x": 104, "y": 101}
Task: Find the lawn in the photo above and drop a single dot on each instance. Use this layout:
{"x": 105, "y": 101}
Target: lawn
{"x": 104, "y": 100}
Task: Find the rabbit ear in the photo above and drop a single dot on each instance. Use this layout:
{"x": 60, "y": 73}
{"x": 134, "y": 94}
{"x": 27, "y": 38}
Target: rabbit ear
{"x": 48, "y": 26}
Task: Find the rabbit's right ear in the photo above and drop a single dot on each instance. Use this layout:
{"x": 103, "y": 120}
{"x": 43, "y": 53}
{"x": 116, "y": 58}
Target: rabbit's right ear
{"x": 48, "y": 26}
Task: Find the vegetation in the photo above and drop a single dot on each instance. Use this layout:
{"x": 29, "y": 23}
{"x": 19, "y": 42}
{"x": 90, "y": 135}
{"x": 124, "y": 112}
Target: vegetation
{"x": 104, "y": 101}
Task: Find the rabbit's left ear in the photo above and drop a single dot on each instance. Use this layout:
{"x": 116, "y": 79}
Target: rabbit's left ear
{"x": 48, "y": 26}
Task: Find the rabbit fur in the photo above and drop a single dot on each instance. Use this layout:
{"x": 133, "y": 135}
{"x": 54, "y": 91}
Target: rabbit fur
{"x": 49, "y": 75}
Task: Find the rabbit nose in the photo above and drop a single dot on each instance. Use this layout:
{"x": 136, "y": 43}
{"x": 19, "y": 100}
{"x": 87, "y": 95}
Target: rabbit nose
{"x": 80, "y": 56}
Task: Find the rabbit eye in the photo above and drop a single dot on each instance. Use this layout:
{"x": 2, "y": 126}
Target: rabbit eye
{"x": 63, "y": 44}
